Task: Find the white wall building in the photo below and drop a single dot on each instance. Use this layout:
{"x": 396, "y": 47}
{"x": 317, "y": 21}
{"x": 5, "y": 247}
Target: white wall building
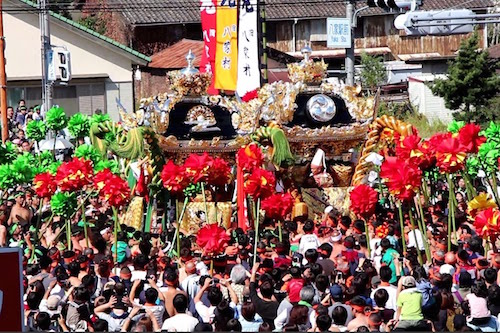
{"x": 428, "y": 104}
{"x": 102, "y": 69}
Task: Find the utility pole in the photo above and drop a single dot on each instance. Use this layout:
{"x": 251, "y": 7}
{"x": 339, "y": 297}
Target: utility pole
{"x": 3, "y": 81}
{"x": 349, "y": 53}
{"x": 44, "y": 18}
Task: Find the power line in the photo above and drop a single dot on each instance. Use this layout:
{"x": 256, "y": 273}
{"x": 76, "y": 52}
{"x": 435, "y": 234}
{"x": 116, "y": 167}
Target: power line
{"x": 129, "y": 5}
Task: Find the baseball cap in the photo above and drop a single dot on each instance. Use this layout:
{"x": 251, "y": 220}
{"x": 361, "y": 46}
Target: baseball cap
{"x": 53, "y": 302}
{"x": 409, "y": 282}
{"x": 336, "y": 291}
{"x": 376, "y": 280}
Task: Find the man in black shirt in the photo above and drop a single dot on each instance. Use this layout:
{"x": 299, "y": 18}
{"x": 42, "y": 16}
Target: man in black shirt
{"x": 264, "y": 304}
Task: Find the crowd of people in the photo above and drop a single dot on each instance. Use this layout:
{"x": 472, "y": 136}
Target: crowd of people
{"x": 329, "y": 274}
{"x": 17, "y": 119}
{"x": 323, "y": 275}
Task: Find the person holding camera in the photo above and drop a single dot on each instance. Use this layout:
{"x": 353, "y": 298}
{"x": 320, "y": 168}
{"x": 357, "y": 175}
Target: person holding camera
{"x": 154, "y": 299}
{"x": 181, "y": 321}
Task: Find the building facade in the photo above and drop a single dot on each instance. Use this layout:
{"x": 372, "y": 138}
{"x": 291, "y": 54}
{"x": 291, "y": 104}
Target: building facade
{"x": 102, "y": 69}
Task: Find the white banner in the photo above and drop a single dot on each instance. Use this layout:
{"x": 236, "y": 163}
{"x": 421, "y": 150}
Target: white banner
{"x": 248, "y": 49}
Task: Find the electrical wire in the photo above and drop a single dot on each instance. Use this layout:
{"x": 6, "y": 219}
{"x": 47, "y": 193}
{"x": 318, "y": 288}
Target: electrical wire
{"x": 120, "y": 6}
{"x": 124, "y": 5}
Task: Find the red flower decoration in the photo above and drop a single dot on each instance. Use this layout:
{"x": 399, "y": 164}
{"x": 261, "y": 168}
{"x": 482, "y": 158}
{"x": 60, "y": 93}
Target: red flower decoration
{"x": 112, "y": 188}
{"x": 410, "y": 148}
{"x": 174, "y": 177}
{"x": 450, "y": 155}
{"x": 260, "y": 183}
{"x": 363, "y": 200}
{"x": 402, "y": 179}
{"x": 212, "y": 239}
{"x": 435, "y": 141}
{"x": 44, "y": 185}
{"x": 101, "y": 178}
{"x": 74, "y": 175}
{"x": 250, "y": 157}
{"x": 487, "y": 223}
{"x": 250, "y": 95}
{"x": 429, "y": 154}
{"x": 219, "y": 173}
{"x": 277, "y": 206}
{"x": 196, "y": 167}
{"x": 469, "y": 137}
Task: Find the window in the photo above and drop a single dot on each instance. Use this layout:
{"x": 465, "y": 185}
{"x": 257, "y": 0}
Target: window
{"x": 14, "y": 95}
{"x": 84, "y": 98}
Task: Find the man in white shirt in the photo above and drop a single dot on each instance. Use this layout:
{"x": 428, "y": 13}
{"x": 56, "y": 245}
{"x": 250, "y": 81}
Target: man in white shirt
{"x": 385, "y": 277}
{"x": 180, "y": 322}
{"x": 190, "y": 283}
{"x": 411, "y": 239}
{"x": 309, "y": 240}
{"x": 214, "y": 296}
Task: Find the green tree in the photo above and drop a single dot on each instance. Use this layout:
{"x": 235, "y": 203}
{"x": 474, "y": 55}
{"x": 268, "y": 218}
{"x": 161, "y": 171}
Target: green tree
{"x": 373, "y": 72}
{"x": 482, "y": 115}
{"x": 94, "y": 22}
{"x": 471, "y": 79}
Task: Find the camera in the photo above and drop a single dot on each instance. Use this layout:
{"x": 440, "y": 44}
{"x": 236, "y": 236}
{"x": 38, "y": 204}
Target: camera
{"x": 215, "y": 281}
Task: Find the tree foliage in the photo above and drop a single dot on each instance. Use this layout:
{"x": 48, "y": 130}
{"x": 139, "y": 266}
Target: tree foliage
{"x": 483, "y": 115}
{"x": 373, "y": 73}
{"x": 94, "y": 22}
{"x": 471, "y": 79}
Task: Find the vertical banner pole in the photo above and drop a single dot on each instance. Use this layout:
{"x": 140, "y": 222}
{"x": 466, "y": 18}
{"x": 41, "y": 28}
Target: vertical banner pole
{"x": 263, "y": 34}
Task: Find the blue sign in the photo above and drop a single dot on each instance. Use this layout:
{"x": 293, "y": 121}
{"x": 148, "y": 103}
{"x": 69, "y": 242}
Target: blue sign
{"x": 338, "y": 31}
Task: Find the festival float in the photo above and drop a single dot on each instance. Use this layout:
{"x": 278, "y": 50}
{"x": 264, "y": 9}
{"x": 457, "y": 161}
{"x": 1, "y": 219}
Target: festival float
{"x": 211, "y": 162}
{"x": 310, "y": 129}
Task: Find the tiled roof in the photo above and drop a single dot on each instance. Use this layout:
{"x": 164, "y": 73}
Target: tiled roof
{"x": 93, "y": 33}
{"x": 145, "y": 12}
{"x": 174, "y": 56}
{"x": 161, "y": 11}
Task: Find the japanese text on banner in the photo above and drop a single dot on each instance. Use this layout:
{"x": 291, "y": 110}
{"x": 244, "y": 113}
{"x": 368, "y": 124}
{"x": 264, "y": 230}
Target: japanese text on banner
{"x": 248, "y": 50}
{"x": 209, "y": 26}
{"x": 226, "y": 56}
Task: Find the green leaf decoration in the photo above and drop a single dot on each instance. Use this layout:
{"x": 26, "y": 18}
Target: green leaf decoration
{"x": 455, "y": 126}
{"x": 7, "y": 179}
{"x": 110, "y": 137}
{"x": 63, "y": 204}
{"x": 79, "y": 125}
{"x": 56, "y": 119}
{"x": 489, "y": 152}
{"x": 492, "y": 133}
{"x": 24, "y": 168}
{"x": 44, "y": 159}
{"x": 53, "y": 167}
{"x": 8, "y": 153}
{"x": 112, "y": 165}
{"x": 36, "y": 130}
{"x": 473, "y": 165}
{"x": 88, "y": 152}
{"x": 99, "y": 118}
{"x": 192, "y": 190}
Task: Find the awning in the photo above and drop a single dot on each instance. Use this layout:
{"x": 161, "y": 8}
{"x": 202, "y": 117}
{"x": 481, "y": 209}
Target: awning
{"x": 340, "y": 53}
